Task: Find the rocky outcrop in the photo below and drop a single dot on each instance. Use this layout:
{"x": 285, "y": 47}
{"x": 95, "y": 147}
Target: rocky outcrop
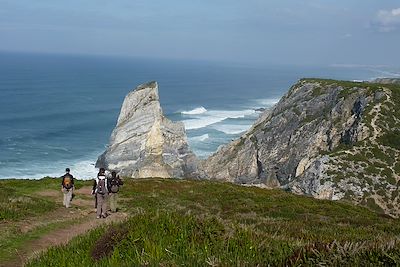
{"x": 308, "y": 120}
{"x": 144, "y": 143}
{"x": 324, "y": 138}
{"x": 387, "y": 80}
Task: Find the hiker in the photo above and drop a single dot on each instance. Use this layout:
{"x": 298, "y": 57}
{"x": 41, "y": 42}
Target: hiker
{"x": 67, "y": 187}
{"x": 95, "y": 200}
{"x": 114, "y": 183}
{"x": 100, "y": 190}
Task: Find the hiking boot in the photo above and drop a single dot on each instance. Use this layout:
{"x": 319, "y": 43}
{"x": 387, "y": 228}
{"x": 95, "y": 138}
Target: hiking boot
{"x": 104, "y": 215}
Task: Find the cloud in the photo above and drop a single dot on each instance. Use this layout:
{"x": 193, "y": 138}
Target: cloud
{"x": 388, "y": 20}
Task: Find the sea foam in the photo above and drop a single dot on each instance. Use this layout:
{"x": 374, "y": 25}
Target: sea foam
{"x": 267, "y": 103}
{"x": 196, "y": 111}
{"x": 232, "y": 129}
{"x": 200, "y": 138}
{"x": 82, "y": 169}
{"x": 214, "y": 116}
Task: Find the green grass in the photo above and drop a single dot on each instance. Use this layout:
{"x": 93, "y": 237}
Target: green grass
{"x": 19, "y": 203}
{"x": 170, "y": 239}
{"x": 18, "y": 199}
{"x": 310, "y": 118}
{"x": 14, "y": 205}
{"x": 297, "y": 111}
{"x": 30, "y": 186}
{"x": 13, "y": 239}
{"x": 317, "y": 91}
{"x": 200, "y": 223}
{"x": 391, "y": 139}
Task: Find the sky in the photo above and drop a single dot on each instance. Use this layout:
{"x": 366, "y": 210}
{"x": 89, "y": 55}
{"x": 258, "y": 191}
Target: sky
{"x": 300, "y": 32}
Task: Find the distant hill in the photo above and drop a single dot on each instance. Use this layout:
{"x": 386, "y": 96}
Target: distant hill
{"x": 387, "y": 80}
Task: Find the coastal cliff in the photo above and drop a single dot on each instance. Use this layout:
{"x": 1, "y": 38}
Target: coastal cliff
{"x": 145, "y": 143}
{"x": 325, "y": 138}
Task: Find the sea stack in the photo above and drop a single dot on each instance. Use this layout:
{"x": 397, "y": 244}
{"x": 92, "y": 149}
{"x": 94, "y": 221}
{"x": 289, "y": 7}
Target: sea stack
{"x": 145, "y": 143}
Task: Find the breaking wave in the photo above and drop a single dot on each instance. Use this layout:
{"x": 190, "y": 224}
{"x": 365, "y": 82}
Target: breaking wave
{"x": 196, "y": 111}
{"x": 200, "y": 138}
{"x": 214, "y": 116}
{"x": 232, "y": 129}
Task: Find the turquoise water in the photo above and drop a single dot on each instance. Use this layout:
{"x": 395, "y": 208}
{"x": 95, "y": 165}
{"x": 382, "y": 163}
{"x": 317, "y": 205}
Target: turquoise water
{"x": 58, "y": 111}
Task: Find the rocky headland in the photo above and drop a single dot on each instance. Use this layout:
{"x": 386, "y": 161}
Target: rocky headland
{"x": 145, "y": 143}
{"x": 325, "y": 138}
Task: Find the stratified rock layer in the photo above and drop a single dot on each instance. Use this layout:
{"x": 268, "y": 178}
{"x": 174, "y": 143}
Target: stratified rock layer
{"x": 309, "y": 119}
{"x": 328, "y": 139}
{"x": 144, "y": 143}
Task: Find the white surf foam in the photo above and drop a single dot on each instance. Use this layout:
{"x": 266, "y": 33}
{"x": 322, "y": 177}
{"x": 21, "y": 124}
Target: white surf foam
{"x": 267, "y": 103}
{"x": 200, "y": 138}
{"x": 83, "y": 169}
{"x": 196, "y": 111}
{"x": 387, "y": 74}
{"x": 231, "y": 128}
{"x": 214, "y": 116}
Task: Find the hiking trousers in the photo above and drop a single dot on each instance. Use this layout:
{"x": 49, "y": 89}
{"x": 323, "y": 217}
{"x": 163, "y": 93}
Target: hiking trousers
{"x": 67, "y": 197}
{"x": 113, "y": 202}
{"x": 101, "y": 204}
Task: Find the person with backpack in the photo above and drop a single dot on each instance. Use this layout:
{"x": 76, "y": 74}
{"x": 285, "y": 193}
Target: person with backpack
{"x": 67, "y": 187}
{"x": 114, "y": 183}
{"x": 100, "y": 190}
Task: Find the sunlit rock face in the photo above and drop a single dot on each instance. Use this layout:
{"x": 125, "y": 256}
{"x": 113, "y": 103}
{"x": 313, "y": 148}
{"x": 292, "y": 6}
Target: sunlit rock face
{"x": 145, "y": 143}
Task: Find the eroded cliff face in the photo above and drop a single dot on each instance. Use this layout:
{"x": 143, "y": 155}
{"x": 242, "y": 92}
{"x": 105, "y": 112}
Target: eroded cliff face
{"x": 144, "y": 143}
{"x": 309, "y": 119}
{"x": 324, "y": 138}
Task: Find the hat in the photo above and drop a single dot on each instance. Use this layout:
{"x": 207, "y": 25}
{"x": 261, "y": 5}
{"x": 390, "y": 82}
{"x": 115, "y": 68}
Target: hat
{"x": 67, "y": 169}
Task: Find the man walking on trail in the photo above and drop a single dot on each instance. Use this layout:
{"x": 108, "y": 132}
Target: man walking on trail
{"x": 67, "y": 187}
{"x": 100, "y": 189}
{"x": 115, "y": 183}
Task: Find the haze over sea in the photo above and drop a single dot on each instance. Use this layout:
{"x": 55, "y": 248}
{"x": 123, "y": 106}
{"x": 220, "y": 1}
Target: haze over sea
{"x": 58, "y": 111}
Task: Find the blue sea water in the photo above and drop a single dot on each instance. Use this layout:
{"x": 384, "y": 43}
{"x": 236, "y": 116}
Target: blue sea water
{"x": 58, "y": 111}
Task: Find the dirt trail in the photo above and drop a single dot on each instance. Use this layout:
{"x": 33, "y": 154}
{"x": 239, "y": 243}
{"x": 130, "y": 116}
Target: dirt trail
{"x": 82, "y": 210}
{"x": 375, "y": 111}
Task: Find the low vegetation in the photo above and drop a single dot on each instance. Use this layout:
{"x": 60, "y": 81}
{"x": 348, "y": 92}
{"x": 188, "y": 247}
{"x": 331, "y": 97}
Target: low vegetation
{"x": 367, "y": 171}
{"x": 18, "y": 198}
{"x": 202, "y": 223}
{"x": 21, "y": 203}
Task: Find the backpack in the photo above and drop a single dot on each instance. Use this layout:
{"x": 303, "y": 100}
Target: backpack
{"x": 114, "y": 185}
{"x": 101, "y": 185}
{"x": 67, "y": 183}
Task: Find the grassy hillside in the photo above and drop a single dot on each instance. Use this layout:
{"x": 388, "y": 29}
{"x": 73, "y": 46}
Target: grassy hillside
{"x": 199, "y": 223}
{"x": 26, "y": 211}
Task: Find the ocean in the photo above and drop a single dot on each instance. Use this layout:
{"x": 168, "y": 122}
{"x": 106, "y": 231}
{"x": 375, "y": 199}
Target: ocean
{"x": 58, "y": 111}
